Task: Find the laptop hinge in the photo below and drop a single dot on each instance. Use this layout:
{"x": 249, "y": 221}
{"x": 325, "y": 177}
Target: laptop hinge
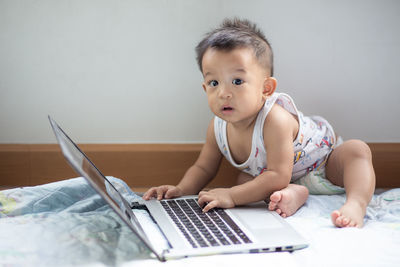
{"x": 137, "y": 206}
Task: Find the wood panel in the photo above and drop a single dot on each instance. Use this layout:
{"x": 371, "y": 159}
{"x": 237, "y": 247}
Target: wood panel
{"x": 14, "y": 165}
{"x": 386, "y": 161}
{"x": 145, "y": 165}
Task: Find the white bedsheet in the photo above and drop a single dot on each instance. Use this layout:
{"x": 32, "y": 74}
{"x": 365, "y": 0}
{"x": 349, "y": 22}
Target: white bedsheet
{"x": 376, "y": 244}
{"x": 66, "y": 223}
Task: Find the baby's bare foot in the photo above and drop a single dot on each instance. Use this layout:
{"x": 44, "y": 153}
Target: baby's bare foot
{"x": 351, "y": 214}
{"x": 287, "y": 201}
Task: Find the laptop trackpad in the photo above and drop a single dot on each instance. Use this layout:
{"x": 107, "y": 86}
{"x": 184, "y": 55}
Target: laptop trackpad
{"x": 259, "y": 220}
{"x": 257, "y": 216}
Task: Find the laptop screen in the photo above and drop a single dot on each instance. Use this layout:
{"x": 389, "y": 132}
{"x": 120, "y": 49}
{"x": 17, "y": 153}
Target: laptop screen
{"x": 81, "y": 164}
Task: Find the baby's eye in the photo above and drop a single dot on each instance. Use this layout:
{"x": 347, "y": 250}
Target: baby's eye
{"x": 213, "y": 83}
{"x": 237, "y": 81}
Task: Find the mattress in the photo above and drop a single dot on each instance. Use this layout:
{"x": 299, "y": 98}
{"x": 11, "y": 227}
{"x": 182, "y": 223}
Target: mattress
{"x": 67, "y": 223}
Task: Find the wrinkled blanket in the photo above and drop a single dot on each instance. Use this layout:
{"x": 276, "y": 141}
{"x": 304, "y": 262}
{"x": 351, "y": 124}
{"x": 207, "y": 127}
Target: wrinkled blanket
{"x": 64, "y": 223}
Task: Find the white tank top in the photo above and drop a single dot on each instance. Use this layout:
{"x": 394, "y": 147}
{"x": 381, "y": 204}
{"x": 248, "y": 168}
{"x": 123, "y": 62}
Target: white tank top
{"x": 314, "y": 141}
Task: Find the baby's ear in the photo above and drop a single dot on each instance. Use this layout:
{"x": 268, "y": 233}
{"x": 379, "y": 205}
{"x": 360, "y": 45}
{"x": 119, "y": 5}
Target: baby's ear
{"x": 269, "y": 86}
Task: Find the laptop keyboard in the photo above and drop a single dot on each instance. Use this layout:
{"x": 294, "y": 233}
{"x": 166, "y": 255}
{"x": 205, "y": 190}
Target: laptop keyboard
{"x": 214, "y": 228}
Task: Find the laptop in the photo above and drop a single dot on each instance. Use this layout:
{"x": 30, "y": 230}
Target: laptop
{"x": 186, "y": 229}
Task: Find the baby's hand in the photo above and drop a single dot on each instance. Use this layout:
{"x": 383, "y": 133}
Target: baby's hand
{"x": 164, "y": 191}
{"x": 219, "y": 197}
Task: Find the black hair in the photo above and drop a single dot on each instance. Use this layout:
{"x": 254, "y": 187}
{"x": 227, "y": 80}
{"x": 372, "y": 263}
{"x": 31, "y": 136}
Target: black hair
{"x": 237, "y": 33}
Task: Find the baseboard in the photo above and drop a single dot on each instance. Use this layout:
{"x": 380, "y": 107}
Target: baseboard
{"x": 145, "y": 165}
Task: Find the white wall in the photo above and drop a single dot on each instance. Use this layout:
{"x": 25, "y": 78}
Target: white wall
{"x": 125, "y": 71}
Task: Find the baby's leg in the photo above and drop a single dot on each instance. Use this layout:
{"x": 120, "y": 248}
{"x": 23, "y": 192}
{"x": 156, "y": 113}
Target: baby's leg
{"x": 350, "y": 165}
{"x": 288, "y": 200}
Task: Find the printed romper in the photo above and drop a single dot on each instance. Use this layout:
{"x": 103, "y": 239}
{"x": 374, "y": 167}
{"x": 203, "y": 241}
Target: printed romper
{"x": 312, "y": 146}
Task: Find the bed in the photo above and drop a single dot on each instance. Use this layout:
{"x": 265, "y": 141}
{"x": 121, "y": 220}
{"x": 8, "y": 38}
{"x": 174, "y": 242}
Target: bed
{"x": 66, "y": 223}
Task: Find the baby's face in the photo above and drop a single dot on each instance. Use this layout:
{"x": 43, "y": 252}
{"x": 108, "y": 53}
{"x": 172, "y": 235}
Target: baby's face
{"x": 235, "y": 84}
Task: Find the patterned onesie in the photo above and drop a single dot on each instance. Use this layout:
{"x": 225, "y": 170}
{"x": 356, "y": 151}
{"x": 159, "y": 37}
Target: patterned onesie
{"x": 312, "y": 146}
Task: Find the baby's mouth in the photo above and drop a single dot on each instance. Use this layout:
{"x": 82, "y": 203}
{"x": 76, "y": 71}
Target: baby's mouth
{"x": 227, "y": 109}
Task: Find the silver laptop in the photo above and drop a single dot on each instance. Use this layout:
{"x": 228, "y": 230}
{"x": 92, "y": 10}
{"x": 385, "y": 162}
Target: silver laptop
{"x": 186, "y": 229}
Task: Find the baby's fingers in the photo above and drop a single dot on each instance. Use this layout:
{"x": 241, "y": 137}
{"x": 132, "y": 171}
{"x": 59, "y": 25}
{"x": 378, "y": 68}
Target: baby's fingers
{"x": 161, "y": 191}
{"x": 210, "y": 205}
{"x": 202, "y": 198}
{"x": 207, "y": 200}
{"x": 150, "y": 193}
{"x": 172, "y": 193}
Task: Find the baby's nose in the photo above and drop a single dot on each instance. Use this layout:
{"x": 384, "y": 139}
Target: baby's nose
{"x": 225, "y": 92}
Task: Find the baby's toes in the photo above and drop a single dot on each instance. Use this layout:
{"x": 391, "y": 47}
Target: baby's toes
{"x": 276, "y": 197}
{"x": 335, "y": 216}
{"x": 340, "y": 221}
{"x": 272, "y": 205}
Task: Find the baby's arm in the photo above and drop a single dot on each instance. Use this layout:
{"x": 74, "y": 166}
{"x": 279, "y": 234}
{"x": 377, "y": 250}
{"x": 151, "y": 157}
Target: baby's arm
{"x": 197, "y": 176}
{"x": 279, "y": 131}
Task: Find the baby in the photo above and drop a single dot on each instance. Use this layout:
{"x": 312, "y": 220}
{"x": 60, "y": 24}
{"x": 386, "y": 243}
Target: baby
{"x": 282, "y": 154}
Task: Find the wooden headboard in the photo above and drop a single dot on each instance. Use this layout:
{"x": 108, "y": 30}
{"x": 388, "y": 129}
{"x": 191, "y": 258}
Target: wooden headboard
{"x": 145, "y": 165}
